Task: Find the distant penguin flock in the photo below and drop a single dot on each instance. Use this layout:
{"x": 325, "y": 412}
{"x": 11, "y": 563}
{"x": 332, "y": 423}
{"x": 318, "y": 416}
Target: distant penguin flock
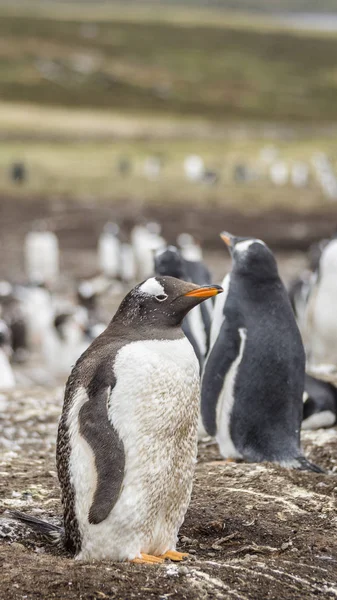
{"x": 245, "y": 363}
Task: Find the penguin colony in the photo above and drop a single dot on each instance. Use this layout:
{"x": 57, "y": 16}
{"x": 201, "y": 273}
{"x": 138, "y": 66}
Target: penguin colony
{"x": 127, "y": 438}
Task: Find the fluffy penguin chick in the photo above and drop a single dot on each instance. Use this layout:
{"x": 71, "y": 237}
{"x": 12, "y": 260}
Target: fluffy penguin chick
{"x": 127, "y": 439}
{"x": 253, "y": 378}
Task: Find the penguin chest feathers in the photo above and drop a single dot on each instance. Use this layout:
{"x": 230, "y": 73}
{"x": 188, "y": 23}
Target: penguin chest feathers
{"x": 157, "y": 383}
{"x": 154, "y": 408}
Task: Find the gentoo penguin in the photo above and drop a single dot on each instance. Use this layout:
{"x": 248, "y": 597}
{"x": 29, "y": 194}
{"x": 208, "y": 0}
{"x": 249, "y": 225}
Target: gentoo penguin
{"x": 253, "y": 378}
{"x": 109, "y": 250}
{"x": 320, "y": 324}
{"x": 41, "y": 253}
{"x": 319, "y": 403}
{"x": 127, "y": 438}
{"x": 196, "y": 325}
{"x": 146, "y": 240}
{"x": 7, "y": 380}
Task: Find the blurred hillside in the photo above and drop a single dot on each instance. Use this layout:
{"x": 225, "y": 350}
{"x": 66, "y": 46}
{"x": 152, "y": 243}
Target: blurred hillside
{"x": 106, "y": 100}
{"x": 218, "y": 71}
{"x": 279, "y": 6}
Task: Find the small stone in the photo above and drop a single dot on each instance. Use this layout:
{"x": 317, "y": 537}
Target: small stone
{"x": 18, "y": 547}
{"x": 183, "y": 570}
{"x": 186, "y": 540}
{"x": 286, "y": 545}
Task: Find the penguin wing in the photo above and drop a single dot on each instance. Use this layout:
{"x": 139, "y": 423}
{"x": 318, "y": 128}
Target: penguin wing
{"x": 102, "y": 437}
{"x": 223, "y": 353}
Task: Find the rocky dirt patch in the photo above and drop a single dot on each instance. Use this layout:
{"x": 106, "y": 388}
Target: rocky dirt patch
{"x": 252, "y": 531}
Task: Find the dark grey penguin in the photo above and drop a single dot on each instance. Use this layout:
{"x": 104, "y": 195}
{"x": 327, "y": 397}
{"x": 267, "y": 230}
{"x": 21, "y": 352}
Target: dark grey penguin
{"x": 253, "y": 378}
{"x": 127, "y": 438}
{"x": 319, "y": 403}
{"x": 197, "y": 324}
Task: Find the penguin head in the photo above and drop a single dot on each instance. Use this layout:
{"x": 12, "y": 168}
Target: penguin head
{"x": 162, "y": 301}
{"x": 168, "y": 261}
{"x": 251, "y": 257}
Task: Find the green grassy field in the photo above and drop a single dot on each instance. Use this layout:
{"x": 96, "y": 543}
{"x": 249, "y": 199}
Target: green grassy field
{"x": 83, "y": 86}
{"x": 88, "y": 170}
{"x": 125, "y": 60}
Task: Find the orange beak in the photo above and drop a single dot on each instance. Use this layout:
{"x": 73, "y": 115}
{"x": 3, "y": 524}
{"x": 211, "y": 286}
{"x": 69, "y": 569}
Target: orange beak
{"x": 206, "y": 291}
{"x": 225, "y": 237}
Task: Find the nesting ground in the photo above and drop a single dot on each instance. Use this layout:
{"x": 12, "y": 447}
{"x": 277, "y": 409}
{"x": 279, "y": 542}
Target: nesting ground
{"x": 252, "y": 531}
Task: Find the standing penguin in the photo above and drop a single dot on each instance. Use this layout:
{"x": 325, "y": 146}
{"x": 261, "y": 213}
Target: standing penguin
{"x": 127, "y": 439}
{"x": 253, "y": 378}
{"x": 108, "y": 251}
{"x": 319, "y": 325}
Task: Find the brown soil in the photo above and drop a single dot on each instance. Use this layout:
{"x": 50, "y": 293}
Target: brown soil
{"x": 252, "y": 531}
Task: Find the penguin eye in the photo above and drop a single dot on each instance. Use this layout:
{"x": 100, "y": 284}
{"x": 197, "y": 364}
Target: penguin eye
{"x": 161, "y": 297}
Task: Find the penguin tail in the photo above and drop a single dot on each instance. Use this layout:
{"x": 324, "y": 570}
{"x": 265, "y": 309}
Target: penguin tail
{"x": 53, "y": 533}
{"x": 302, "y": 464}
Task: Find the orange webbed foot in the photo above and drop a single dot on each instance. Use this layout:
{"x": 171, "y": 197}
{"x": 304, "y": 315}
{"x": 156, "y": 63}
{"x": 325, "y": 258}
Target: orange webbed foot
{"x": 174, "y": 555}
{"x": 147, "y": 559}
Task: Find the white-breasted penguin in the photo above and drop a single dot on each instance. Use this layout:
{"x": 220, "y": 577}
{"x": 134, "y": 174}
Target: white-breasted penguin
{"x": 127, "y": 439}
{"x": 253, "y": 379}
{"x": 320, "y": 325}
{"x": 196, "y": 325}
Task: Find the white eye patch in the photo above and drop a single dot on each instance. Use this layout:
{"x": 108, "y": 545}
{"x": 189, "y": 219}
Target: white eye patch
{"x": 152, "y": 287}
{"x": 243, "y": 246}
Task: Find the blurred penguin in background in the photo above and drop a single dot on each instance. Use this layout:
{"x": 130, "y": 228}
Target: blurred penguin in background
{"x": 196, "y": 325}
{"x": 189, "y": 248}
{"x": 7, "y": 380}
{"x": 13, "y": 315}
{"x": 320, "y": 324}
{"x": 146, "y": 240}
{"x": 36, "y": 303}
{"x": 41, "y": 255}
{"x": 109, "y": 251}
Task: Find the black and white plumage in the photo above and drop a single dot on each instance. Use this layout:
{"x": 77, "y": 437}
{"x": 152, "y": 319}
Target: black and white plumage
{"x": 319, "y": 403}
{"x": 253, "y": 378}
{"x": 127, "y": 439}
{"x": 197, "y": 324}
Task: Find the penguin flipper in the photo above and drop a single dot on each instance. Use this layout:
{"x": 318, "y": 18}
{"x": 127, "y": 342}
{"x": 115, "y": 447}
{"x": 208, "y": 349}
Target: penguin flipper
{"x": 108, "y": 449}
{"x": 222, "y": 354}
